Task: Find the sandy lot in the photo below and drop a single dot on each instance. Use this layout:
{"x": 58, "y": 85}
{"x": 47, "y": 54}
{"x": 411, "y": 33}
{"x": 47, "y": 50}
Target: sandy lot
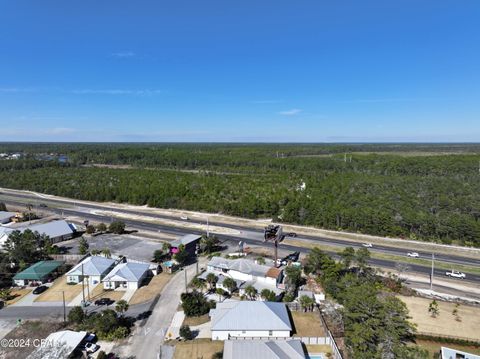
{"x": 444, "y": 323}
{"x": 148, "y": 292}
{"x": 200, "y": 348}
{"x": 307, "y": 324}
{"x": 98, "y": 292}
{"x": 17, "y": 294}
{"x": 54, "y": 293}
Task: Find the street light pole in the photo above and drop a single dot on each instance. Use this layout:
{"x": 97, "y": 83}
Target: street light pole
{"x": 208, "y": 232}
{"x": 64, "y": 308}
{"x": 431, "y": 275}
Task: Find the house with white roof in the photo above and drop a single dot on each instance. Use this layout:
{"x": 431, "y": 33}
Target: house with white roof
{"x": 5, "y": 217}
{"x": 250, "y": 319}
{"x": 246, "y": 273}
{"x": 127, "y": 275}
{"x": 57, "y": 231}
{"x": 59, "y": 345}
{"x": 448, "y": 353}
{"x": 263, "y": 349}
{"x": 93, "y": 268}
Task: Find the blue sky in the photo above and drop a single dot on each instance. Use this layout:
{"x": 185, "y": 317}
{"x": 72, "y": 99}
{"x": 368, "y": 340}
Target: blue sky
{"x": 249, "y": 70}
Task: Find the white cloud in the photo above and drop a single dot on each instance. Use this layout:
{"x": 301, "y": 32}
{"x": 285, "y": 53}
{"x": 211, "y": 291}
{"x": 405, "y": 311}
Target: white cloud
{"x": 124, "y": 54}
{"x": 292, "y": 112}
{"x": 141, "y": 92}
{"x": 15, "y": 89}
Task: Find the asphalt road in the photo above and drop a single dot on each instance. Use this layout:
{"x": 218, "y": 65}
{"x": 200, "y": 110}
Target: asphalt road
{"x": 454, "y": 259}
{"x": 253, "y": 237}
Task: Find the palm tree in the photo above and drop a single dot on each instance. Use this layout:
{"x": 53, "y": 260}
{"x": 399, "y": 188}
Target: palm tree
{"x": 230, "y": 284}
{"x": 251, "y": 292}
{"x": 268, "y": 295}
{"x": 106, "y": 252}
{"x": 121, "y": 306}
{"x": 199, "y": 284}
{"x": 220, "y": 293}
{"x": 212, "y": 279}
{"x": 306, "y": 302}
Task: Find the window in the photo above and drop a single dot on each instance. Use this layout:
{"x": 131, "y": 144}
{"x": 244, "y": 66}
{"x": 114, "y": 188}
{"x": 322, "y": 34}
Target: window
{"x": 244, "y": 332}
{"x": 270, "y": 333}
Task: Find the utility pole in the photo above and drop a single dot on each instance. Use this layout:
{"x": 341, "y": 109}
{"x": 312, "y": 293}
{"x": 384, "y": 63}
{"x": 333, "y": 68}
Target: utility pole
{"x": 64, "y": 308}
{"x": 185, "y": 271}
{"x": 431, "y": 275}
{"x": 208, "y": 232}
{"x": 83, "y": 286}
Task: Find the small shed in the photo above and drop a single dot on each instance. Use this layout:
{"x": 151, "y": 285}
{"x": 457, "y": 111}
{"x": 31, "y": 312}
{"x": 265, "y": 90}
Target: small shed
{"x": 40, "y": 273}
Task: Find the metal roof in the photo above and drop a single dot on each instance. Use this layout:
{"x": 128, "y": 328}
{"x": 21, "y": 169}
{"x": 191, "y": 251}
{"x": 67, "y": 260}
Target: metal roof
{"x": 242, "y": 265}
{"x": 64, "y": 338}
{"x": 250, "y": 315}
{"x": 6, "y": 215}
{"x": 263, "y": 349}
{"x": 39, "y": 270}
{"x": 185, "y": 240}
{"x": 448, "y": 353}
{"x": 52, "y": 229}
{"x": 94, "y": 265}
{"x": 127, "y": 272}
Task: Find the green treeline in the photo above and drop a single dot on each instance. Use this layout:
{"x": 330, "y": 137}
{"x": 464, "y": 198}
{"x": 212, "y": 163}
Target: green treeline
{"x": 411, "y": 191}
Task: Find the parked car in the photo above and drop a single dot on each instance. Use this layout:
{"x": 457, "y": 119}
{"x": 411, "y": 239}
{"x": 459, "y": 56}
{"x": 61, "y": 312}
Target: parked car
{"x": 291, "y": 234}
{"x": 413, "y": 254}
{"x": 455, "y": 274}
{"x": 103, "y": 301}
{"x": 85, "y": 303}
{"x": 90, "y": 338}
{"x": 40, "y": 289}
{"x": 43, "y": 205}
{"x": 91, "y": 347}
{"x": 185, "y": 218}
{"x": 282, "y": 262}
{"x": 367, "y": 245}
{"x": 293, "y": 256}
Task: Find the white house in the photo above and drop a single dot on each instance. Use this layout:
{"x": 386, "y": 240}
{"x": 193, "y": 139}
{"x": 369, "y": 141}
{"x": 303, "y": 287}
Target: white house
{"x": 5, "y": 217}
{"x": 93, "y": 268}
{"x": 246, "y": 272}
{"x": 57, "y": 231}
{"x": 448, "y": 353}
{"x": 127, "y": 275}
{"x": 263, "y": 349}
{"x": 250, "y": 319}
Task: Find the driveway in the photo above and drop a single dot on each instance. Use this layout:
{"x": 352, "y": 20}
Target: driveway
{"x": 146, "y": 341}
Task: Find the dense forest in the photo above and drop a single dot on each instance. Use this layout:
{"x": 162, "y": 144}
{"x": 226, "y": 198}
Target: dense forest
{"x": 421, "y": 191}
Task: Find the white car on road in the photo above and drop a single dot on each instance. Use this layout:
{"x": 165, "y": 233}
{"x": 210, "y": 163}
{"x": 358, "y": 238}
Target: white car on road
{"x": 455, "y": 274}
{"x": 413, "y": 254}
{"x": 367, "y": 245}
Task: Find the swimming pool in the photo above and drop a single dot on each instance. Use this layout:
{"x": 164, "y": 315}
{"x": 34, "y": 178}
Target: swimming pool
{"x": 315, "y": 356}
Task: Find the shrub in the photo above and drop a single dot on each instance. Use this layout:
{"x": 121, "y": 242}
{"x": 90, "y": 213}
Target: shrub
{"x": 186, "y": 333}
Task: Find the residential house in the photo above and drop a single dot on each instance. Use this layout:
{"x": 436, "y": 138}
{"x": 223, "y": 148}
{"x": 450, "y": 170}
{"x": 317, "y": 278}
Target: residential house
{"x": 93, "y": 268}
{"x": 127, "y": 275}
{"x": 263, "y": 349}
{"x": 6, "y": 217}
{"x": 60, "y": 345}
{"x": 448, "y": 353}
{"x": 247, "y": 273}
{"x": 38, "y": 273}
{"x": 250, "y": 319}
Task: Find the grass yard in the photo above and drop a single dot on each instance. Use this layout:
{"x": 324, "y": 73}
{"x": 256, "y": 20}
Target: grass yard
{"x": 148, "y": 292}
{"x": 444, "y": 323}
{"x": 16, "y": 294}
{"x": 434, "y": 347}
{"x": 99, "y": 292}
{"x": 54, "y": 293}
{"x": 195, "y": 349}
{"x": 307, "y": 324}
{"x": 313, "y": 349}
{"x": 192, "y": 321}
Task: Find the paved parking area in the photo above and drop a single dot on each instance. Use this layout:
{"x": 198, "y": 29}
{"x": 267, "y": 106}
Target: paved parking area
{"x": 126, "y": 244}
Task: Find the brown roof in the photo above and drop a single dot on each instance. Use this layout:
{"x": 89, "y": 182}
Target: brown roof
{"x": 273, "y": 272}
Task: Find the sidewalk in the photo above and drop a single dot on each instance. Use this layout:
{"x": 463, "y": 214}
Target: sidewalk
{"x": 173, "y": 330}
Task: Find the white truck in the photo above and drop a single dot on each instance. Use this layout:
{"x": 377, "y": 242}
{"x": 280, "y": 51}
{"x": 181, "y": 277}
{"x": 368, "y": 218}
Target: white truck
{"x": 455, "y": 274}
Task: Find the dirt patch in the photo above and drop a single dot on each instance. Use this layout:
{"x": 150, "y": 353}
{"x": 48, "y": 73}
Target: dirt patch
{"x": 154, "y": 287}
{"x": 434, "y": 347}
{"x": 193, "y": 321}
{"x": 307, "y": 325}
{"x": 200, "y": 348}
{"x": 445, "y": 323}
{"x": 99, "y": 292}
{"x": 313, "y": 349}
{"x": 28, "y": 330}
{"x": 16, "y": 294}
{"x": 54, "y": 293}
